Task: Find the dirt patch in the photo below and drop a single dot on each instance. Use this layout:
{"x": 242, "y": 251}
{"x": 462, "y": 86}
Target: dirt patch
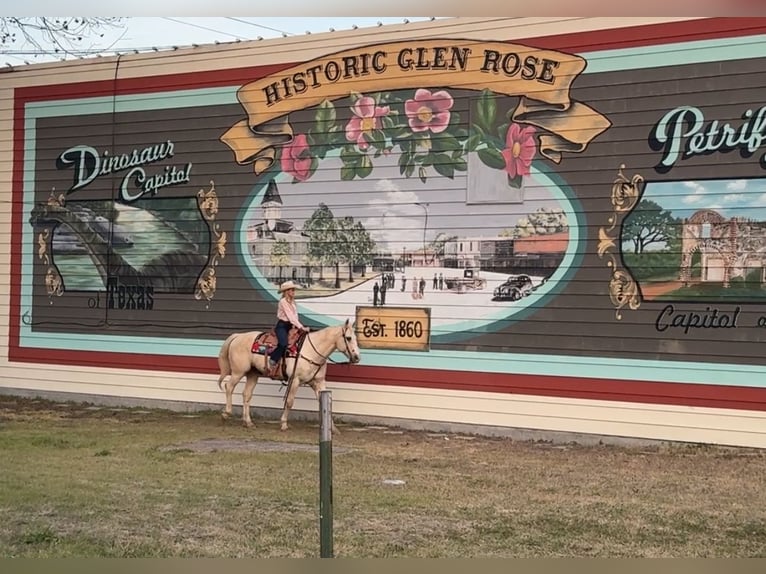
{"x": 211, "y": 445}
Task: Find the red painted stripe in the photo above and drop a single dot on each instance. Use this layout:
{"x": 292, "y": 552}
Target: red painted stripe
{"x": 593, "y": 41}
{"x": 651, "y": 35}
{"x": 17, "y": 215}
{"x": 680, "y": 394}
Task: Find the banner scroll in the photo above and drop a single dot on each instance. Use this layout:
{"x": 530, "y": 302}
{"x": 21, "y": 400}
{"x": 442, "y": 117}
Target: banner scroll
{"x": 541, "y": 78}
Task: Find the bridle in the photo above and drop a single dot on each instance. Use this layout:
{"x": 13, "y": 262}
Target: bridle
{"x": 327, "y": 358}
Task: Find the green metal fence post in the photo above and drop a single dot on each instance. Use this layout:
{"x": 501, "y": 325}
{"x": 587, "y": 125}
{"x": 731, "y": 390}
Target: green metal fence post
{"x": 325, "y": 474}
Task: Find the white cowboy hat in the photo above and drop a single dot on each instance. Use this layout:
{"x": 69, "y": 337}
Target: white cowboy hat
{"x": 287, "y": 285}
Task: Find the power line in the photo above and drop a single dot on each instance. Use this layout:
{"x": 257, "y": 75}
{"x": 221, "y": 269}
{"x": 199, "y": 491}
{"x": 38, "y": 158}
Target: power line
{"x": 204, "y": 28}
{"x": 259, "y": 25}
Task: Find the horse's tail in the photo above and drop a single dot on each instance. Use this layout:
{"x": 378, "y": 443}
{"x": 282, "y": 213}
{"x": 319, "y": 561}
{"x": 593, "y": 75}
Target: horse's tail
{"x": 223, "y": 359}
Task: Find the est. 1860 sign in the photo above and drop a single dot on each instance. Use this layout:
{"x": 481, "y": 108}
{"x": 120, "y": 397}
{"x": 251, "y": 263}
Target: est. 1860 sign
{"x": 404, "y": 328}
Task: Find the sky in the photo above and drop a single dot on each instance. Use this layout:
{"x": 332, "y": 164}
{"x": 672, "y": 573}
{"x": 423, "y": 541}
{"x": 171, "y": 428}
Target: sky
{"x": 730, "y": 197}
{"x": 144, "y": 33}
{"x": 389, "y": 206}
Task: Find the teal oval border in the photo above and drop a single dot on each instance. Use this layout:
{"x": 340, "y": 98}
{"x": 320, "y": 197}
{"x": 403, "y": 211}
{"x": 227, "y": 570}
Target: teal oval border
{"x": 552, "y": 181}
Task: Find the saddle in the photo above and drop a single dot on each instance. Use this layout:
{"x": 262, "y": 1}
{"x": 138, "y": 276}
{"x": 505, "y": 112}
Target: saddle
{"x": 266, "y": 342}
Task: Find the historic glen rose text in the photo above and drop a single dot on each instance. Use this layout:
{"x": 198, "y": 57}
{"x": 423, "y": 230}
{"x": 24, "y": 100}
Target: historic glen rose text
{"x": 448, "y": 58}
{"x": 136, "y": 183}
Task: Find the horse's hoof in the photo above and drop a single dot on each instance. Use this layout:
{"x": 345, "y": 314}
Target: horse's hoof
{"x": 284, "y": 427}
{"x": 249, "y": 424}
{"x": 225, "y": 416}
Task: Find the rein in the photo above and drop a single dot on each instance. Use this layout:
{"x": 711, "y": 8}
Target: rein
{"x": 325, "y": 359}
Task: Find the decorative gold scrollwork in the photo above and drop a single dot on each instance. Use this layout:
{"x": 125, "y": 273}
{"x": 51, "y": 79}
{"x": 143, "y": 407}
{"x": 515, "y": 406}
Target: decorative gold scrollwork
{"x": 207, "y": 202}
{"x": 54, "y": 284}
{"x": 623, "y": 289}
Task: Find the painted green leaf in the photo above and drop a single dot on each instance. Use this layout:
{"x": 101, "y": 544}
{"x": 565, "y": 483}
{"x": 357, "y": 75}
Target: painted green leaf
{"x": 364, "y": 169}
{"x": 515, "y": 181}
{"x": 422, "y": 174}
{"x": 503, "y": 130}
{"x": 473, "y": 142}
{"x": 446, "y": 142}
{"x": 349, "y": 155}
{"x": 347, "y": 173}
{"x": 325, "y": 117}
{"x": 445, "y": 169}
{"x": 404, "y": 161}
{"x": 378, "y": 138}
{"x": 410, "y": 169}
{"x": 492, "y": 158}
{"x": 486, "y": 109}
{"x": 461, "y": 165}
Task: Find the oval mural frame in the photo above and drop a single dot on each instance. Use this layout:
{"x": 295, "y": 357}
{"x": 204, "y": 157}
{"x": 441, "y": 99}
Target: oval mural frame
{"x": 453, "y": 332}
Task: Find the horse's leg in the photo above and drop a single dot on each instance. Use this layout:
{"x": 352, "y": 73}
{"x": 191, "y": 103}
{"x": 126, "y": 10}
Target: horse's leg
{"x": 295, "y": 384}
{"x": 247, "y": 394}
{"x": 229, "y": 385}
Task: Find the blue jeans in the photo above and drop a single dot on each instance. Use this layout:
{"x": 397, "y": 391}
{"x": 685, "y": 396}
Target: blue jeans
{"x": 282, "y": 329}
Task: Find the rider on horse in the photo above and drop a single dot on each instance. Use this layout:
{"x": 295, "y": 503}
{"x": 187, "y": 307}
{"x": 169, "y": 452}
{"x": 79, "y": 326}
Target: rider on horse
{"x": 287, "y": 318}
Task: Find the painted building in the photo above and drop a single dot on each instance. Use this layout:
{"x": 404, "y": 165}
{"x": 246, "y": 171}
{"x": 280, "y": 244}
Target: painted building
{"x": 151, "y": 201}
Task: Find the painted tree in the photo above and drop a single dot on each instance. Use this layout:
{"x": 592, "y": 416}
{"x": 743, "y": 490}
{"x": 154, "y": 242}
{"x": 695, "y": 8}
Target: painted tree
{"x": 543, "y": 221}
{"x": 363, "y": 246}
{"x": 345, "y": 249}
{"x": 63, "y": 36}
{"x": 321, "y": 231}
{"x": 438, "y": 243}
{"x": 649, "y": 224}
{"x": 280, "y": 255}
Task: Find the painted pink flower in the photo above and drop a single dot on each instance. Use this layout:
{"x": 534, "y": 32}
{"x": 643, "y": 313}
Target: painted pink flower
{"x": 296, "y": 158}
{"x": 520, "y": 148}
{"x": 429, "y": 111}
{"x": 364, "y": 121}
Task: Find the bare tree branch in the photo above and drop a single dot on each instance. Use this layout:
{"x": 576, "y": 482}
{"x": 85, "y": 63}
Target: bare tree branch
{"x": 56, "y": 36}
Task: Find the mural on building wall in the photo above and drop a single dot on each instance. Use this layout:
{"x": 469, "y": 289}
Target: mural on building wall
{"x": 690, "y": 241}
{"x": 393, "y": 175}
{"x": 455, "y": 216}
{"x": 136, "y": 246}
{"x": 477, "y": 206}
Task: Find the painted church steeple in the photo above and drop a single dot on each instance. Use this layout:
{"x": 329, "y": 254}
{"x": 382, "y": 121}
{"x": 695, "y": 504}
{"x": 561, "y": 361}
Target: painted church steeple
{"x": 271, "y": 205}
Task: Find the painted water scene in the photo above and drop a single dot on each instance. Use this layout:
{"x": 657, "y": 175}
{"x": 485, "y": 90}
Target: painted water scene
{"x": 699, "y": 241}
{"x": 371, "y": 207}
{"x": 160, "y": 242}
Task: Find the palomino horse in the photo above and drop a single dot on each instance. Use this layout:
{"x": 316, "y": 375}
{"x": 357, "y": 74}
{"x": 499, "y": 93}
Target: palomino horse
{"x": 236, "y": 359}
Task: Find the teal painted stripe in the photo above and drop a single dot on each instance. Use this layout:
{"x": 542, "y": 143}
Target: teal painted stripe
{"x": 552, "y": 365}
{"x": 28, "y": 243}
{"x": 133, "y": 103}
{"x": 676, "y": 54}
{"x": 459, "y": 331}
{"x": 602, "y": 61}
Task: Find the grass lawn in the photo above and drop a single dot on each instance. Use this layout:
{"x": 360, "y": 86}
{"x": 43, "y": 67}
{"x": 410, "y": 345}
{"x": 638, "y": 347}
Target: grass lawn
{"x": 86, "y": 481}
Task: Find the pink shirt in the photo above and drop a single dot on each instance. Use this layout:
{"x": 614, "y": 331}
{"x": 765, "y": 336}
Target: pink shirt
{"x": 287, "y": 311}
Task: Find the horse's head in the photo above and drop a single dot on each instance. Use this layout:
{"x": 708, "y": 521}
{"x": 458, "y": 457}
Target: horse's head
{"x": 347, "y": 344}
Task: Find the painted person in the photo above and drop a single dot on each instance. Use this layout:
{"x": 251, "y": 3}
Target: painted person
{"x": 287, "y": 318}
